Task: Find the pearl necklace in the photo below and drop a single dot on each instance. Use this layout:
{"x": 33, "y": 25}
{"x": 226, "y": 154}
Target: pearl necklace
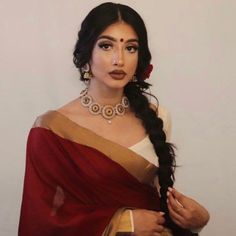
{"x": 107, "y": 111}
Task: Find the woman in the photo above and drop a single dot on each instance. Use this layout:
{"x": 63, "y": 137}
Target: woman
{"x": 91, "y": 164}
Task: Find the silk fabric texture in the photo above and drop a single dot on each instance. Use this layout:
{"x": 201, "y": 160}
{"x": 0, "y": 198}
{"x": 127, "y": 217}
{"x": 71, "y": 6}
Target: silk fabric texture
{"x": 79, "y": 183}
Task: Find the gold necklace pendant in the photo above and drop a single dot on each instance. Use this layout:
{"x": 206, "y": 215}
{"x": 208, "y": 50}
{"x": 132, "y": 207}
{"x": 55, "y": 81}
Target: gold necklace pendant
{"x": 108, "y": 112}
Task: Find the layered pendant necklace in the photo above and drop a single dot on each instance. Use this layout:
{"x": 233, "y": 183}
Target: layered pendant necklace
{"x": 108, "y": 112}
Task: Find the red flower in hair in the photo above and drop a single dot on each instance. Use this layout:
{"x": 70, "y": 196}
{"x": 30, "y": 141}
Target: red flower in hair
{"x": 147, "y": 72}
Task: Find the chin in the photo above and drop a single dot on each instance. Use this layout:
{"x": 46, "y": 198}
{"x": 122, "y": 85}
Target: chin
{"x": 111, "y": 83}
{"x": 118, "y": 84}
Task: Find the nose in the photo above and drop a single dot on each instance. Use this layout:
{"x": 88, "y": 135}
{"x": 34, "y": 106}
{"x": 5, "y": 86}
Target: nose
{"x": 118, "y": 58}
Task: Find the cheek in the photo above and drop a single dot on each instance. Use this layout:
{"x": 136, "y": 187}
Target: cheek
{"x": 99, "y": 62}
{"x": 133, "y": 63}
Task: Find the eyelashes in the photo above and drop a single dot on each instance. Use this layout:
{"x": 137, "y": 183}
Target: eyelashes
{"x": 106, "y": 46}
{"x": 132, "y": 49}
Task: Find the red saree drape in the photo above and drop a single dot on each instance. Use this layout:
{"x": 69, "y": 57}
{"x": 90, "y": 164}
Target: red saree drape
{"x": 76, "y": 182}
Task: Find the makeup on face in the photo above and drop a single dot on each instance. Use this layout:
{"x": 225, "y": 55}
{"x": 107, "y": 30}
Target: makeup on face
{"x": 117, "y": 74}
{"x": 107, "y": 42}
{"x": 115, "y": 56}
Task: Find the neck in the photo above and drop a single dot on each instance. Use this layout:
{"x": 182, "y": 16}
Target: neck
{"x": 106, "y": 96}
{"x": 110, "y": 107}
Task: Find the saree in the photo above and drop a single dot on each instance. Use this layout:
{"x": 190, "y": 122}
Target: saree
{"x": 78, "y": 183}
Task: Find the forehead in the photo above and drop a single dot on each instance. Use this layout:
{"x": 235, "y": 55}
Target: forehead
{"x": 120, "y": 30}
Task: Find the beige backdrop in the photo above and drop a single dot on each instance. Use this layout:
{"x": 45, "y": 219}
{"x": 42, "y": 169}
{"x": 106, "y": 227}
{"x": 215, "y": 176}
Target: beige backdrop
{"x": 193, "y": 46}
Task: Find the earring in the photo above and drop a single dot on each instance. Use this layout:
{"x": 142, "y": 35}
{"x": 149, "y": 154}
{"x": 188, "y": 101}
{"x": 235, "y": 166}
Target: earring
{"x": 87, "y": 74}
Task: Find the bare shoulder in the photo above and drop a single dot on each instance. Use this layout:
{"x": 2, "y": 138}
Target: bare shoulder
{"x": 78, "y": 114}
{"x": 71, "y": 108}
{"x": 42, "y": 119}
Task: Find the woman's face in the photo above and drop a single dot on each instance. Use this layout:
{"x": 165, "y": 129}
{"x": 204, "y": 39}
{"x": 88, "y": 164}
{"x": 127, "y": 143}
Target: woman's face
{"x": 115, "y": 56}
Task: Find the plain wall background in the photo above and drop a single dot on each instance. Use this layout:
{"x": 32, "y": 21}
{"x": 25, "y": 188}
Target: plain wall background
{"x": 193, "y": 48}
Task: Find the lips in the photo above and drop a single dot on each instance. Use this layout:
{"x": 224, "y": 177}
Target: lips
{"x": 117, "y": 74}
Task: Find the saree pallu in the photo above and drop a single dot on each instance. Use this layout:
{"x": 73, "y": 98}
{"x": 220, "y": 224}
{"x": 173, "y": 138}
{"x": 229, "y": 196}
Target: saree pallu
{"x": 78, "y": 183}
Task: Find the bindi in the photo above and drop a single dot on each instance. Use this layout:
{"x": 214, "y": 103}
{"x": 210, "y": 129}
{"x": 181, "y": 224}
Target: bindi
{"x": 121, "y": 40}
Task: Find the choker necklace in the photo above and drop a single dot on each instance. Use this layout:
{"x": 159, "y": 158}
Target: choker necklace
{"x": 107, "y": 111}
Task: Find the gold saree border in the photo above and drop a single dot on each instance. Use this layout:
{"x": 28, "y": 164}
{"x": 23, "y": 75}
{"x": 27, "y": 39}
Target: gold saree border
{"x": 65, "y": 128}
{"x": 120, "y": 223}
{"x": 167, "y": 232}
{"x": 117, "y": 225}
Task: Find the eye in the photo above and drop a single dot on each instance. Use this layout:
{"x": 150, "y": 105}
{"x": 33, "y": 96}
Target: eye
{"x": 105, "y": 46}
{"x": 132, "y": 48}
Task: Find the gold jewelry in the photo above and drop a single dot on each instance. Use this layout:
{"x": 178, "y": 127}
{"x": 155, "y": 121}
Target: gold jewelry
{"x": 107, "y": 111}
{"x": 179, "y": 209}
{"x": 86, "y": 72}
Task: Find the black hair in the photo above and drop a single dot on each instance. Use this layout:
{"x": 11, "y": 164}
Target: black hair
{"x": 97, "y": 21}
{"x": 93, "y": 25}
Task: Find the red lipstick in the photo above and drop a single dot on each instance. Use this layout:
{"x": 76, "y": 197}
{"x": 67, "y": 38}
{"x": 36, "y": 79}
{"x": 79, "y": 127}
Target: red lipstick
{"x": 117, "y": 74}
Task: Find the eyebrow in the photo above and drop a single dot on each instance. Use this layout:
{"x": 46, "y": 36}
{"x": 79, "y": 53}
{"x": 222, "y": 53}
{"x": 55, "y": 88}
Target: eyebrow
{"x": 115, "y": 40}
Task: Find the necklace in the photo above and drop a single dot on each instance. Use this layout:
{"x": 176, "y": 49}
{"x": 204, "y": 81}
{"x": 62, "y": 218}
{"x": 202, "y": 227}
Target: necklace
{"x": 107, "y": 111}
